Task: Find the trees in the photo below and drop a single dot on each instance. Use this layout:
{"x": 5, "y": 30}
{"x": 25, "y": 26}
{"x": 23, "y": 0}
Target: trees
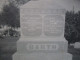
{"x": 72, "y": 26}
{"x": 10, "y": 16}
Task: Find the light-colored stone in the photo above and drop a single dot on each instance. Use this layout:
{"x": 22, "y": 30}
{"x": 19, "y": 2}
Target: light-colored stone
{"x": 42, "y": 56}
{"x": 42, "y": 29}
{"x": 77, "y": 45}
{"x": 38, "y": 20}
{"x": 26, "y": 45}
{"x": 47, "y": 24}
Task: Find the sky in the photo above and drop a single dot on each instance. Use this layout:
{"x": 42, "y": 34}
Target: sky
{"x": 68, "y": 4}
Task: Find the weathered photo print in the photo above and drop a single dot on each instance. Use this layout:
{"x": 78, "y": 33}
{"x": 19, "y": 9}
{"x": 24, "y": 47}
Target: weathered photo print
{"x": 39, "y": 29}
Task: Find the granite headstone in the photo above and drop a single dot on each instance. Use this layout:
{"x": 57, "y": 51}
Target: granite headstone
{"x": 42, "y": 32}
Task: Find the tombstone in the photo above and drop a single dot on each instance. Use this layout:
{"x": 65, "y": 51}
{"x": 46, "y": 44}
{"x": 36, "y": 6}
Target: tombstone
{"x": 42, "y": 32}
{"x": 77, "y": 45}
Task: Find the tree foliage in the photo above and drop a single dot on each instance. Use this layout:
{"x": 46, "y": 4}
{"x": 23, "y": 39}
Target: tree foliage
{"x": 72, "y": 26}
{"x": 10, "y": 16}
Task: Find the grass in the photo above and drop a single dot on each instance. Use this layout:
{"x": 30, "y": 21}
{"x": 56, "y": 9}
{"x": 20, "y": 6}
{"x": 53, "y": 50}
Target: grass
{"x": 8, "y": 47}
{"x": 74, "y": 52}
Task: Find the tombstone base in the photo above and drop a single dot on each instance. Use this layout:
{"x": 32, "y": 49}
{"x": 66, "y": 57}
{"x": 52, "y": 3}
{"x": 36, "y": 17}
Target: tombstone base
{"x": 42, "y": 56}
{"x": 51, "y": 45}
{"x": 42, "y": 49}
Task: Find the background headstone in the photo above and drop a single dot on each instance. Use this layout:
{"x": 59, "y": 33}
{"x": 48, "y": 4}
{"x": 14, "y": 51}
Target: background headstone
{"x": 77, "y": 45}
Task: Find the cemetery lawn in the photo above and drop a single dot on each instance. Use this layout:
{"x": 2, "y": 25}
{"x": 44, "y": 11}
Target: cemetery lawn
{"x": 74, "y": 52}
{"x": 8, "y": 48}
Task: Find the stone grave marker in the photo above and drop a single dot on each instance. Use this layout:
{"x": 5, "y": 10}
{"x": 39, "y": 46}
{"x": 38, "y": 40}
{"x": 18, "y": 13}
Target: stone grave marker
{"x": 42, "y": 32}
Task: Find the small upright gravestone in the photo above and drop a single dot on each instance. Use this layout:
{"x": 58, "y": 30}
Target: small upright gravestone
{"x": 42, "y": 29}
{"x": 77, "y": 45}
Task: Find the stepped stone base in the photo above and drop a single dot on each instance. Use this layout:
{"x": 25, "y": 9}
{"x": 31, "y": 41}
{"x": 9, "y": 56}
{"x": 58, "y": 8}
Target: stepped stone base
{"x": 26, "y": 45}
{"x": 42, "y": 56}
